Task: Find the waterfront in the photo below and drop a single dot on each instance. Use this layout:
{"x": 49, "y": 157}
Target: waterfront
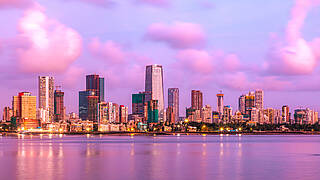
{"x": 159, "y": 157}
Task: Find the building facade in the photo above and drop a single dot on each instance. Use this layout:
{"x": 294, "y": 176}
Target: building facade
{"x": 46, "y": 94}
{"x": 154, "y": 87}
{"x": 123, "y": 112}
{"x": 83, "y": 103}
{"x": 24, "y": 106}
{"x": 220, "y": 104}
{"x": 95, "y": 83}
{"x": 196, "y": 99}
{"x": 59, "y": 109}
{"x": 7, "y": 114}
{"x": 173, "y": 101}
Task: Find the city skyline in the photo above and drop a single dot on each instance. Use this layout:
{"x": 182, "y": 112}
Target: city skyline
{"x": 210, "y": 56}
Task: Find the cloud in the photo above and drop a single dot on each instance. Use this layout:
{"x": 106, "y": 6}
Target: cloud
{"x": 51, "y": 46}
{"x": 197, "y": 61}
{"x": 296, "y": 58}
{"x": 242, "y": 81}
{"x": 16, "y": 3}
{"x": 72, "y": 77}
{"x": 177, "y": 35}
{"x": 157, "y": 3}
{"x": 124, "y": 67}
{"x": 294, "y": 55}
{"x": 99, "y": 3}
{"x": 108, "y": 51}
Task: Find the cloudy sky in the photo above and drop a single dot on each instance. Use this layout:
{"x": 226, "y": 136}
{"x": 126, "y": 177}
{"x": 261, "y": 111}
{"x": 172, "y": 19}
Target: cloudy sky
{"x": 210, "y": 45}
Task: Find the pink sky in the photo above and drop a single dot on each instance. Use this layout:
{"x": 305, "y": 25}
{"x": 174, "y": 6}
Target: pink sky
{"x": 202, "y": 44}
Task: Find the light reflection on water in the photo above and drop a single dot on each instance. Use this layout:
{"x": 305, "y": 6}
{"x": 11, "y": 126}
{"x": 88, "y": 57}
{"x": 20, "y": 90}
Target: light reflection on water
{"x": 161, "y": 157}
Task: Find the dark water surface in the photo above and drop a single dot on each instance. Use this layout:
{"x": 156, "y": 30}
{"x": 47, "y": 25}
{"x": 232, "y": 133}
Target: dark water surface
{"x": 57, "y": 157}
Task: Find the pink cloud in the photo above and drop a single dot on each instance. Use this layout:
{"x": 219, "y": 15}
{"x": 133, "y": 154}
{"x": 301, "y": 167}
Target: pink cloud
{"x": 72, "y": 77}
{"x": 99, "y": 3}
{"x": 197, "y": 61}
{"x": 315, "y": 46}
{"x": 159, "y": 3}
{"x": 241, "y": 81}
{"x": 108, "y": 51}
{"x": 294, "y": 55}
{"x": 124, "y": 66}
{"x": 294, "y": 59}
{"x": 16, "y": 3}
{"x": 177, "y": 35}
{"x": 52, "y": 46}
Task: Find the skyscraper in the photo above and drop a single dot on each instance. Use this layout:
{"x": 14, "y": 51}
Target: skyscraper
{"x": 7, "y": 114}
{"x": 24, "y": 106}
{"x": 153, "y": 111}
{"x": 59, "y": 105}
{"x": 206, "y": 114}
{"x": 250, "y": 102}
{"x": 220, "y": 103}
{"x": 173, "y": 102}
{"x": 46, "y": 94}
{"x": 242, "y": 104}
{"x": 93, "y": 101}
{"x": 259, "y": 99}
{"x": 285, "y": 114}
{"x": 154, "y": 87}
{"x": 95, "y": 83}
{"x": 196, "y": 99}
{"x": 123, "y": 112}
{"x": 138, "y": 103}
{"x": 83, "y": 103}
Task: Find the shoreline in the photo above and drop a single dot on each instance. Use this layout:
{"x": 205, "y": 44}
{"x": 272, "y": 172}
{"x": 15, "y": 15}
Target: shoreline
{"x": 168, "y": 133}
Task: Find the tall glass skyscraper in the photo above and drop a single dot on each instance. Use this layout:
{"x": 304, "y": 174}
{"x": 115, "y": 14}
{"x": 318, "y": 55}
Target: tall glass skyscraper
{"x": 196, "y": 99}
{"x": 84, "y": 103}
{"x": 96, "y": 84}
{"x": 173, "y": 102}
{"x": 154, "y": 87}
{"x": 46, "y": 94}
{"x": 59, "y": 105}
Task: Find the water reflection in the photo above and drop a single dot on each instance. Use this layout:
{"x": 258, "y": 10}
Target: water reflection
{"x": 185, "y": 157}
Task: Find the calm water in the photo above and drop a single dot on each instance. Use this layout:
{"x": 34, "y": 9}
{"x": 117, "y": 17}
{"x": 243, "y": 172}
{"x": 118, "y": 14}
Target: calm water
{"x": 162, "y": 157}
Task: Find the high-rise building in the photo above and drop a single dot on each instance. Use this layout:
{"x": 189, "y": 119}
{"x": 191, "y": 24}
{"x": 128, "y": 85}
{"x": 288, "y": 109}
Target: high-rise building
{"x": 116, "y": 111}
{"x": 95, "y": 83}
{"x": 270, "y": 116}
{"x": 46, "y": 94}
{"x": 259, "y": 99}
{"x": 227, "y": 114}
{"x": 7, "y": 114}
{"x": 242, "y": 104}
{"x": 59, "y": 105}
{"x": 170, "y": 115}
{"x": 206, "y": 114}
{"x": 123, "y": 112}
{"x": 93, "y": 101}
{"x": 220, "y": 103}
{"x": 83, "y": 103}
{"x": 139, "y": 105}
{"x": 196, "y": 99}
{"x": 153, "y": 111}
{"x": 25, "y": 106}
{"x": 249, "y": 102}
{"x": 154, "y": 87}
{"x": 173, "y": 101}
{"x": 285, "y": 114}
{"x": 43, "y": 115}
{"x": 103, "y": 113}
